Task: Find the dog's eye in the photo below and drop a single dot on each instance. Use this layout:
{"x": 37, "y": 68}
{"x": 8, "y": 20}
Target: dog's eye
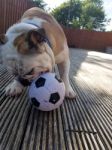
{"x": 31, "y": 45}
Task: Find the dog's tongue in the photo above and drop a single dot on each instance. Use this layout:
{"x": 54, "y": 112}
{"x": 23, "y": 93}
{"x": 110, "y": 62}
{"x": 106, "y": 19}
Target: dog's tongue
{"x": 30, "y": 72}
{"x": 31, "y": 77}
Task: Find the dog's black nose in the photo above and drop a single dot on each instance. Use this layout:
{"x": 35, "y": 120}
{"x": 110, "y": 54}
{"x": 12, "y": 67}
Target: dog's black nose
{"x": 21, "y": 70}
{"x": 15, "y": 73}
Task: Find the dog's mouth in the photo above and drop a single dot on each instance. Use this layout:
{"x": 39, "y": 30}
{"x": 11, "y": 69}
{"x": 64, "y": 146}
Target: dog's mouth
{"x": 32, "y": 74}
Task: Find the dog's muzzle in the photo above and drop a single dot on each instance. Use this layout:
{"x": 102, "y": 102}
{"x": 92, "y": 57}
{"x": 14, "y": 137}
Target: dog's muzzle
{"x": 23, "y": 80}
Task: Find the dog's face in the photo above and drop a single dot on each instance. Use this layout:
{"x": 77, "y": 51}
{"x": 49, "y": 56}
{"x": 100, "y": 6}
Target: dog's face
{"x": 27, "y": 54}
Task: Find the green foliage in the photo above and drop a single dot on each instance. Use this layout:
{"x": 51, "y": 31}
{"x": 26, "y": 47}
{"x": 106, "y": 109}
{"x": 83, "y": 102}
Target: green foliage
{"x": 93, "y": 14}
{"x": 66, "y": 13}
{"x": 86, "y": 14}
{"x": 39, "y": 3}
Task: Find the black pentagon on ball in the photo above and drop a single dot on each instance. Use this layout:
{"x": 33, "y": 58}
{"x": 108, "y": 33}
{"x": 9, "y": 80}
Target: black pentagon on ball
{"x": 35, "y": 102}
{"x": 59, "y": 80}
{"x": 54, "y": 98}
{"x": 40, "y": 82}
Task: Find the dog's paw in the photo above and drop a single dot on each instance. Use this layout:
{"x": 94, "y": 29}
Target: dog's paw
{"x": 70, "y": 94}
{"x": 14, "y": 88}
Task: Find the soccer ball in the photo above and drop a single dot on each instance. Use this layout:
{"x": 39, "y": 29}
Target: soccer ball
{"x": 47, "y": 92}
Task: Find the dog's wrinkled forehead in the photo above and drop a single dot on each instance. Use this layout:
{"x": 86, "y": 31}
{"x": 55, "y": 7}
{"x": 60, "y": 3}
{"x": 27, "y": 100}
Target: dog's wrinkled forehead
{"x": 30, "y": 41}
{"x": 25, "y": 42}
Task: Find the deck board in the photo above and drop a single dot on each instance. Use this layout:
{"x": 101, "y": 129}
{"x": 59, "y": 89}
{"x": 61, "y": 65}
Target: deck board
{"x": 84, "y": 123}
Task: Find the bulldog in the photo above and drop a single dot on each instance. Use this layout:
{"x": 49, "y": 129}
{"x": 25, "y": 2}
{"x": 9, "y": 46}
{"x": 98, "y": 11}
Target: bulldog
{"x": 33, "y": 46}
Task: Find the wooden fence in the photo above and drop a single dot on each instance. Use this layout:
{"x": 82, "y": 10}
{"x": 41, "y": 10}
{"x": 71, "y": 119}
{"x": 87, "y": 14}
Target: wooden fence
{"x": 12, "y": 10}
{"x": 88, "y": 39}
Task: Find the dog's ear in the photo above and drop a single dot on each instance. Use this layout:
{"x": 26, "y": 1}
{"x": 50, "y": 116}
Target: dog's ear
{"x": 36, "y": 36}
{"x": 3, "y": 39}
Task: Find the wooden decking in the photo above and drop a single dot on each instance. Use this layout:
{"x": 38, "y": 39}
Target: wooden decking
{"x": 84, "y": 123}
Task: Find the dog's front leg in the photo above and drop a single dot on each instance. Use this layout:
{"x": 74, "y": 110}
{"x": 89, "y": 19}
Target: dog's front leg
{"x": 14, "y": 88}
{"x": 64, "y": 74}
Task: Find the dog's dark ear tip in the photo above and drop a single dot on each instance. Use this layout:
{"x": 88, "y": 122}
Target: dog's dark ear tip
{"x": 3, "y": 39}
